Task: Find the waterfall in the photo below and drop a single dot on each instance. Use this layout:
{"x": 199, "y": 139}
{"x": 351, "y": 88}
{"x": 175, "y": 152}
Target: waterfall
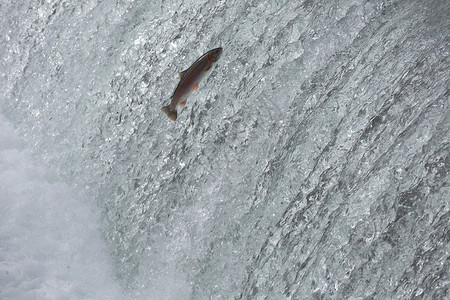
{"x": 312, "y": 163}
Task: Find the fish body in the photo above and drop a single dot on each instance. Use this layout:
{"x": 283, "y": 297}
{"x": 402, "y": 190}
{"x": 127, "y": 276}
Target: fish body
{"x": 189, "y": 80}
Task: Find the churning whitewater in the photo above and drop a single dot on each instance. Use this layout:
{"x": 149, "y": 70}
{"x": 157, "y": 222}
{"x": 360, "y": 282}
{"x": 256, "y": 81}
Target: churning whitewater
{"x": 312, "y": 163}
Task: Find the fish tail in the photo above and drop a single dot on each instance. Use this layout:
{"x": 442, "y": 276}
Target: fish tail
{"x": 172, "y": 114}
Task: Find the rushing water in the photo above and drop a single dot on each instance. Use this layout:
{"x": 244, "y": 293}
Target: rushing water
{"x": 313, "y": 162}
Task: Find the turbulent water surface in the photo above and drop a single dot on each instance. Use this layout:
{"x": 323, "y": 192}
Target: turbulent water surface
{"x": 313, "y": 162}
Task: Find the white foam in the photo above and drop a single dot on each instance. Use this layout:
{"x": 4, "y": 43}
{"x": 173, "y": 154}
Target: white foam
{"x": 50, "y": 242}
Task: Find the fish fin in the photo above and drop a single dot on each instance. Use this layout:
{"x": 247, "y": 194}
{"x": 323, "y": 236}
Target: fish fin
{"x": 181, "y": 74}
{"x": 195, "y": 87}
{"x": 182, "y": 104}
{"x": 208, "y": 68}
{"x": 172, "y": 114}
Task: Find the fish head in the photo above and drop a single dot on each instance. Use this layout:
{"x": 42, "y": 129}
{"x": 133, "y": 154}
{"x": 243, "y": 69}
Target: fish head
{"x": 214, "y": 55}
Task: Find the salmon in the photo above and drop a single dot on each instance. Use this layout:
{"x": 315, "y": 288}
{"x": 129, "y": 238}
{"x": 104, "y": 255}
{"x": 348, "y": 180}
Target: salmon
{"x": 189, "y": 80}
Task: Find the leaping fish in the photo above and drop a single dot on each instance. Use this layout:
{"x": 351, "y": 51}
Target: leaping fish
{"x": 189, "y": 80}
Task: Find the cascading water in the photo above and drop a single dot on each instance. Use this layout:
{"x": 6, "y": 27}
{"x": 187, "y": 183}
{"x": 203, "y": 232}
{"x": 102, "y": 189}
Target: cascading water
{"x": 313, "y": 162}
